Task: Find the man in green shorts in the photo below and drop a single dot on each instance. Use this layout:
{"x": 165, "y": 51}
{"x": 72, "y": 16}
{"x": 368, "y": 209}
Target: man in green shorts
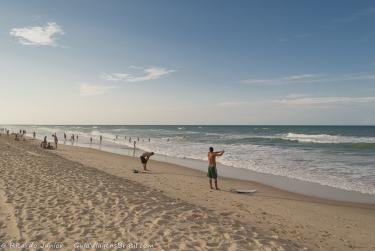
{"x": 212, "y": 171}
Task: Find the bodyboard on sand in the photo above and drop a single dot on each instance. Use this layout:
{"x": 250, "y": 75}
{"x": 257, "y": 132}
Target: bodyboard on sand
{"x": 243, "y": 191}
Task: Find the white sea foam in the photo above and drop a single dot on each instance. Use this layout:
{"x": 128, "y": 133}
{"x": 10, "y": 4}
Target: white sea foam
{"x": 328, "y": 139}
{"x": 345, "y": 171}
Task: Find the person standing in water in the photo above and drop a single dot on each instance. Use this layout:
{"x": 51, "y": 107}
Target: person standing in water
{"x": 64, "y": 136}
{"x": 212, "y": 171}
{"x": 90, "y": 140}
{"x": 101, "y": 138}
{"x": 34, "y": 135}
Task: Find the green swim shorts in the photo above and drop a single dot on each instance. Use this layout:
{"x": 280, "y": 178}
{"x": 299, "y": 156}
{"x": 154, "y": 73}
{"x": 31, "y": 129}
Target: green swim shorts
{"x": 212, "y": 172}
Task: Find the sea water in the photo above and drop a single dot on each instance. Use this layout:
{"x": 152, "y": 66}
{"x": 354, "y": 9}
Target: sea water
{"x": 337, "y": 156}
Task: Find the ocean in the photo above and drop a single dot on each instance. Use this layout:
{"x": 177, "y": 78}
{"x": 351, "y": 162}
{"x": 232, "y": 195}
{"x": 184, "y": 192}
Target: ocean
{"x": 337, "y": 156}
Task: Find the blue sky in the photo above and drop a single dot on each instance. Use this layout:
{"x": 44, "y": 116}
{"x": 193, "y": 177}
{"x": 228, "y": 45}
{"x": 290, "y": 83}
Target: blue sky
{"x": 187, "y": 62}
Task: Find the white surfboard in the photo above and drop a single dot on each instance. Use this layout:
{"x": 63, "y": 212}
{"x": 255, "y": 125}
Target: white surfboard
{"x": 243, "y": 191}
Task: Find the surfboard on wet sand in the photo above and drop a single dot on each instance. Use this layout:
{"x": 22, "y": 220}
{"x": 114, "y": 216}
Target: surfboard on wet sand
{"x": 243, "y": 191}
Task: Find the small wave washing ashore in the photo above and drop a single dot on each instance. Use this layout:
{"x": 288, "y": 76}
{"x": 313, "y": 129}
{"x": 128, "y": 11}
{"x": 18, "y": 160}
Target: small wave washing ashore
{"x": 337, "y": 156}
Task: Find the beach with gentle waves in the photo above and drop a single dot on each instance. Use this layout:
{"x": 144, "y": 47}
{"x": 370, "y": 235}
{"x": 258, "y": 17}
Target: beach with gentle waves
{"x": 79, "y": 197}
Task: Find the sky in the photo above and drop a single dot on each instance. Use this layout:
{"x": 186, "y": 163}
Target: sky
{"x": 187, "y": 62}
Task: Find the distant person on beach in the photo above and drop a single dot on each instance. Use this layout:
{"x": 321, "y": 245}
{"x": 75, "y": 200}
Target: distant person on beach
{"x": 90, "y": 140}
{"x": 34, "y": 135}
{"x": 43, "y": 144}
{"x": 64, "y": 136}
{"x": 144, "y": 159}
{"x": 101, "y": 138}
{"x": 77, "y": 137}
{"x": 212, "y": 171}
{"x": 55, "y": 140}
{"x": 135, "y": 142}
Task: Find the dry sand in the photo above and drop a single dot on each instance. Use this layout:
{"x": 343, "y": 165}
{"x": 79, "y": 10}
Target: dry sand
{"x": 48, "y": 198}
{"x": 83, "y": 195}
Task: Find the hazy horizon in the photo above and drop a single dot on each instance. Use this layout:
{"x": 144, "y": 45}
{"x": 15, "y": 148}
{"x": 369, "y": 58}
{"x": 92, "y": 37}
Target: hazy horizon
{"x": 187, "y": 63}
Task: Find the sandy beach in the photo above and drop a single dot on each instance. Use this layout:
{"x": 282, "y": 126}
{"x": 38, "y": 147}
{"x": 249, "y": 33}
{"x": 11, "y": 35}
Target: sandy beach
{"x": 77, "y": 196}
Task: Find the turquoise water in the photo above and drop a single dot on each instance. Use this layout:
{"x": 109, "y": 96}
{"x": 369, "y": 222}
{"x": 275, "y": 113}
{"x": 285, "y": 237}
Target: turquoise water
{"x": 337, "y": 156}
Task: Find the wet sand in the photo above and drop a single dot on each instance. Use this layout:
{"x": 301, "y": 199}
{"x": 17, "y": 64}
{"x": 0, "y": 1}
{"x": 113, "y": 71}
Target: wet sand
{"x": 80, "y": 194}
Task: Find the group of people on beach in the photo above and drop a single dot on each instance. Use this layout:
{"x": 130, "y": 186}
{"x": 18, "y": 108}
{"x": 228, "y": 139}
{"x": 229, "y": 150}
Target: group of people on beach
{"x": 211, "y": 156}
{"x": 47, "y": 145}
{"x": 144, "y": 158}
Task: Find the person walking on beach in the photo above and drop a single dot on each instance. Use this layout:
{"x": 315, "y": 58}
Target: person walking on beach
{"x": 144, "y": 159}
{"x": 64, "y": 136}
{"x": 212, "y": 171}
{"x": 101, "y": 138}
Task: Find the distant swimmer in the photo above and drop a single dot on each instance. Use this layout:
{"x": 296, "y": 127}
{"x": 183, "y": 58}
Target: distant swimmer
{"x": 34, "y": 135}
{"x": 100, "y": 139}
{"x": 72, "y": 138}
{"x": 64, "y": 136}
{"x": 144, "y": 159}
{"x": 130, "y": 139}
{"x": 77, "y": 137}
{"x": 212, "y": 171}
{"x": 135, "y": 142}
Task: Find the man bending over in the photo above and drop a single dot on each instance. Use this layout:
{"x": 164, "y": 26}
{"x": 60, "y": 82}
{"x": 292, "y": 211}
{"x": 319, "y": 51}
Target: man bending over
{"x": 144, "y": 158}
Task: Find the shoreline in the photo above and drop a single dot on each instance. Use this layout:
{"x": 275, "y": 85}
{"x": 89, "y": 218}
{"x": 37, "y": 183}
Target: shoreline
{"x": 293, "y": 185}
{"x": 309, "y": 221}
{"x": 282, "y": 216}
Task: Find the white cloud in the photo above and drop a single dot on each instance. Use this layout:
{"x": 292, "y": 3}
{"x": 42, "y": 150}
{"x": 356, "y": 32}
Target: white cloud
{"x": 148, "y": 74}
{"x": 235, "y": 103}
{"x": 299, "y": 100}
{"x": 311, "y": 78}
{"x": 38, "y": 35}
{"x": 92, "y": 90}
{"x": 325, "y": 100}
